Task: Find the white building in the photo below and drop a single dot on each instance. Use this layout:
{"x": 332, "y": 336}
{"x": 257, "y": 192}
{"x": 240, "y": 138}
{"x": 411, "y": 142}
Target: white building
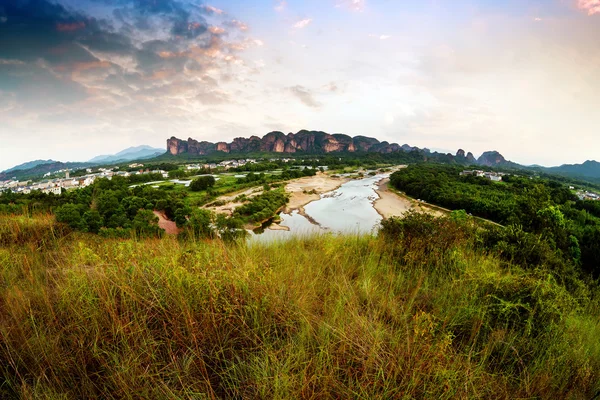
{"x": 57, "y": 190}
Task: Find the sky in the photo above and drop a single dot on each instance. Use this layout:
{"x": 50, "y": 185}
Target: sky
{"x": 80, "y": 78}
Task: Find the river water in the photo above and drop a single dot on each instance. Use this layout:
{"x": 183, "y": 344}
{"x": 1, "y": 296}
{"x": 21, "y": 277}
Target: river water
{"x": 348, "y": 209}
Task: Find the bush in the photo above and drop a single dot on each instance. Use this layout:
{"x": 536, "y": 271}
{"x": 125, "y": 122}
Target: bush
{"x": 202, "y": 183}
{"x": 69, "y": 214}
{"x": 145, "y": 224}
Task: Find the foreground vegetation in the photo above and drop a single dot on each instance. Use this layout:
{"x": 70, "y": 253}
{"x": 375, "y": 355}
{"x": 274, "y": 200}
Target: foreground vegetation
{"x": 425, "y": 310}
{"x": 540, "y": 212}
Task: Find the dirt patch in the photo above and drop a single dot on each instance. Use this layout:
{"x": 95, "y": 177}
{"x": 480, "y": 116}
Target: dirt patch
{"x": 226, "y": 209}
{"x": 170, "y": 227}
{"x": 228, "y": 201}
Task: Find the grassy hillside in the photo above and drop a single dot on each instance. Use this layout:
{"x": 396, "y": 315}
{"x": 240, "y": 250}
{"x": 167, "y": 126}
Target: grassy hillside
{"x": 420, "y": 312}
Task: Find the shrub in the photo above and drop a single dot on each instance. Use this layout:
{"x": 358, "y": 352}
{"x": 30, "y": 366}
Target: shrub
{"x": 202, "y": 183}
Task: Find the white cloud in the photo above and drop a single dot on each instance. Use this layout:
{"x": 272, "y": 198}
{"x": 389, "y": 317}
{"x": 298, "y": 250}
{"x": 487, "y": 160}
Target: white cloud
{"x": 354, "y": 5}
{"x": 280, "y": 5}
{"x": 303, "y": 23}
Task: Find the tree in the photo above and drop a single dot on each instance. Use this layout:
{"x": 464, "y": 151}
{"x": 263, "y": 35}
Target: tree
{"x": 70, "y": 215}
{"x": 92, "y": 221}
{"x": 145, "y": 223}
{"x": 202, "y": 183}
{"x": 201, "y": 223}
{"x": 176, "y": 174}
{"x": 230, "y": 229}
{"x": 107, "y": 204}
{"x": 119, "y": 219}
{"x": 181, "y": 215}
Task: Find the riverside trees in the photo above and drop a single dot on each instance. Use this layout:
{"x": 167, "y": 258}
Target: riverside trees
{"x": 543, "y": 208}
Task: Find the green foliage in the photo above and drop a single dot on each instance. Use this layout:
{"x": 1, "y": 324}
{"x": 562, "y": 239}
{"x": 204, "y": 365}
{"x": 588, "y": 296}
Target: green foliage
{"x": 145, "y": 224}
{"x": 70, "y": 214}
{"x": 546, "y": 224}
{"x": 92, "y": 221}
{"x": 262, "y": 207}
{"x": 201, "y": 223}
{"x": 177, "y": 174}
{"x": 230, "y": 229}
{"x": 202, "y": 183}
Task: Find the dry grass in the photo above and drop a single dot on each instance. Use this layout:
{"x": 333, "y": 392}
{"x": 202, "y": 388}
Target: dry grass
{"x": 320, "y": 317}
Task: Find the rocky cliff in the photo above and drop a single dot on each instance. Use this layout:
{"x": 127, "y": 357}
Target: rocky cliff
{"x": 317, "y": 142}
{"x": 278, "y": 142}
{"x": 491, "y": 159}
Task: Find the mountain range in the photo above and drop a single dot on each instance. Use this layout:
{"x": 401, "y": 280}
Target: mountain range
{"x": 303, "y": 142}
{"x": 310, "y": 142}
{"x": 317, "y": 142}
{"x": 589, "y": 169}
{"x": 41, "y": 167}
{"x": 29, "y": 165}
{"x": 130, "y": 154}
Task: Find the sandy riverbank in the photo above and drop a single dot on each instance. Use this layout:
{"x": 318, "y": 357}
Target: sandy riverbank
{"x": 302, "y": 191}
{"x": 305, "y": 190}
{"x": 391, "y": 204}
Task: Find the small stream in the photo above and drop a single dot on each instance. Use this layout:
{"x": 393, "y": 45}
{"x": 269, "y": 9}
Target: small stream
{"x": 349, "y": 209}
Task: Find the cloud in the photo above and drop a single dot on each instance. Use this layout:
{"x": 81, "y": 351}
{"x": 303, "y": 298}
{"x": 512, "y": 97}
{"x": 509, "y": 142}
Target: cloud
{"x": 305, "y": 96}
{"x": 590, "y": 6}
{"x": 280, "y": 5}
{"x": 213, "y": 10}
{"x": 380, "y": 37}
{"x": 157, "y": 55}
{"x": 302, "y": 23}
{"x": 217, "y": 30}
{"x": 353, "y": 5}
{"x": 237, "y": 24}
{"x": 74, "y": 26}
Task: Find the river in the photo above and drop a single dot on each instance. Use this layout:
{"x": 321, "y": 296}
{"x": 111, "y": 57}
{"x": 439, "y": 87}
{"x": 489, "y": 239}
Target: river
{"x": 348, "y": 209}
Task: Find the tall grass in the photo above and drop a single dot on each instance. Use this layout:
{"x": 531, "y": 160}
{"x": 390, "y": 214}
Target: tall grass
{"x": 318, "y": 317}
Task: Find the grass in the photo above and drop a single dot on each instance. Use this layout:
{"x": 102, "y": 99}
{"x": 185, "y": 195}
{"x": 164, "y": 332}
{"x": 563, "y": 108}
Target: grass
{"x": 315, "y": 317}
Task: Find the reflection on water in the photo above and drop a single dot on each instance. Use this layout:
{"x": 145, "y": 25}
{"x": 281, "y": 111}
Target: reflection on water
{"x": 349, "y": 209}
{"x": 297, "y": 224}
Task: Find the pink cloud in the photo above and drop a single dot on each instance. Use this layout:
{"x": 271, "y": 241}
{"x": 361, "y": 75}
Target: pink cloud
{"x": 239, "y": 24}
{"x": 217, "y": 30}
{"x": 214, "y": 10}
{"x": 590, "y": 6}
{"x": 75, "y": 26}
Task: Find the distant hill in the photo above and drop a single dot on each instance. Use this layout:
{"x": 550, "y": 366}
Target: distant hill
{"x": 130, "y": 154}
{"x": 41, "y": 169}
{"x": 589, "y": 169}
{"x": 29, "y": 165}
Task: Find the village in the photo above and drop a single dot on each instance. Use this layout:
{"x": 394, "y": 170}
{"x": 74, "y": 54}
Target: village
{"x": 58, "y": 185}
{"x": 493, "y": 176}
